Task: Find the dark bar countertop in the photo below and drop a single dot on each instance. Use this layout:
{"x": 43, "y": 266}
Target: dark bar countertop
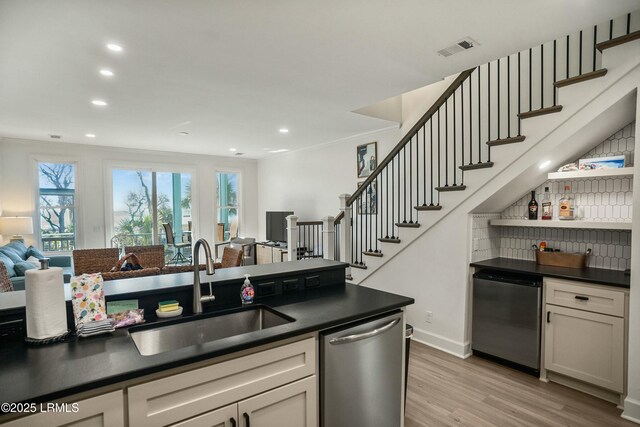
{"x": 600, "y": 276}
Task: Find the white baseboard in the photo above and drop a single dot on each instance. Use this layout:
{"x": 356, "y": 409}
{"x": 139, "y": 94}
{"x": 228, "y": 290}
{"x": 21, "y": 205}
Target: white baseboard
{"x": 455, "y": 348}
{"x": 631, "y": 410}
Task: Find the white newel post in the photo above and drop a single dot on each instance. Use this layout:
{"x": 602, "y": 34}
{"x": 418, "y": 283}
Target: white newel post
{"x": 292, "y": 238}
{"x": 345, "y": 232}
{"x": 328, "y": 238}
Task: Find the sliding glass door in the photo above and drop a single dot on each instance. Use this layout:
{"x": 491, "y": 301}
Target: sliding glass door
{"x": 143, "y": 200}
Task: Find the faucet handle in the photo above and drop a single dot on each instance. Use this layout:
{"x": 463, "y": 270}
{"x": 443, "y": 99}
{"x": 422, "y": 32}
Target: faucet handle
{"x": 208, "y": 298}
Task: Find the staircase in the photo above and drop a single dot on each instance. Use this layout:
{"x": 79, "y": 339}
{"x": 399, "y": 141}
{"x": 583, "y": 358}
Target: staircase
{"x": 476, "y": 129}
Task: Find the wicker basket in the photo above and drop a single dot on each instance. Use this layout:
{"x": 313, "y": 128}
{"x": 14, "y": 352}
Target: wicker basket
{"x": 562, "y": 259}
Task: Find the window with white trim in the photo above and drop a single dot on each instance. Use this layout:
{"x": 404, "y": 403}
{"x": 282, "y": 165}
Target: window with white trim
{"x": 57, "y": 206}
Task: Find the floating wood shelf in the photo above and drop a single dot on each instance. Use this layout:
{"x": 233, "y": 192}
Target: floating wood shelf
{"x": 591, "y": 173}
{"x": 595, "y": 225}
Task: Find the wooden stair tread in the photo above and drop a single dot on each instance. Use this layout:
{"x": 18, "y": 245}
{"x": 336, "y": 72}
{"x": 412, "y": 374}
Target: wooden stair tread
{"x": 618, "y": 41}
{"x": 540, "y": 112}
{"x": 374, "y": 253}
{"x": 428, "y": 208}
{"x": 476, "y": 166}
{"x": 360, "y": 266}
{"x": 407, "y": 224}
{"x": 581, "y": 78}
{"x": 452, "y": 188}
{"x": 388, "y": 240}
{"x": 504, "y": 141}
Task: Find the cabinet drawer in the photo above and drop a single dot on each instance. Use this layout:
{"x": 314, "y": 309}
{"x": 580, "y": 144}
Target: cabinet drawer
{"x": 181, "y": 396}
{"x": 584, "y": 297}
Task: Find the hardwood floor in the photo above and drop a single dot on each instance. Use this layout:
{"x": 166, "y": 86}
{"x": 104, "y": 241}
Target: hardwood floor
{"x": 444, "y": 390}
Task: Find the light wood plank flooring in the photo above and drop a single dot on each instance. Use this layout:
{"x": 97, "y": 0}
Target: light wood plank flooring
{"x": 444, "y": 390}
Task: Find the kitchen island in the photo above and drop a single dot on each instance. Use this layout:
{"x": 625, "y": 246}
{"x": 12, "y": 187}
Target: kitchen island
{"x": 103, "y": 365}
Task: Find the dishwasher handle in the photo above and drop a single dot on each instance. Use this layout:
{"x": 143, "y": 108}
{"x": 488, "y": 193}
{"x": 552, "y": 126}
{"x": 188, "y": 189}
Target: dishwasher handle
{"x": 364, "y": 335}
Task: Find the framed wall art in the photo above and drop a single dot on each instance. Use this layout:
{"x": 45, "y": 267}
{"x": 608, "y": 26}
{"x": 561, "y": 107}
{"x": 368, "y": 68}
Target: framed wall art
{"x": 367, "y": 158}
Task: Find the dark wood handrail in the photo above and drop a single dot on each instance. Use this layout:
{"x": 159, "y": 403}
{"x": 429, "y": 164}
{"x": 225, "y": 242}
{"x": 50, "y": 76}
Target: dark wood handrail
{"x": 338, "y": 218}
{"x": 409, "y": 135}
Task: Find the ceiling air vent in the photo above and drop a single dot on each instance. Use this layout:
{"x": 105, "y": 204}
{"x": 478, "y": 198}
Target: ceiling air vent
{"x": 55, "y": 136}
{"x": 239, "y": 154}
{"x": 460, "y": 46}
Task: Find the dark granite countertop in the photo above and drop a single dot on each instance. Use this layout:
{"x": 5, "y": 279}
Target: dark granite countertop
{"x": 593, "y": 275}
{"x": 40, "y": 374}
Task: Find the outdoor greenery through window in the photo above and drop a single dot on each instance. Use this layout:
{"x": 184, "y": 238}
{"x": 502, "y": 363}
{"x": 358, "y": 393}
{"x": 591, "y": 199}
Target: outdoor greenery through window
{"x": 228, "y": 208}
{"x": 57, "y": 200}
{"x": 144, "y": 200}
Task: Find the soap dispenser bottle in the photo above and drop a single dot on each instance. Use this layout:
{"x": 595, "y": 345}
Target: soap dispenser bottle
{"x": 246, "y": 291}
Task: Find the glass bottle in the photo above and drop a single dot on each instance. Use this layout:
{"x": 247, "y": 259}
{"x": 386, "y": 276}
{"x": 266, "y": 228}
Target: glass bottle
{"x": 547, "y": 209}
{"x": 533, "y": 206}
{"x": 567, "y": 206}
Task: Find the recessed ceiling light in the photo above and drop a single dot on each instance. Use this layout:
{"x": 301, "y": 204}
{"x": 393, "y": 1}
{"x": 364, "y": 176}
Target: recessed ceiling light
{"x": 106, "y": 73}
{"x": 99, "y": 103}
{"x": 183, "y": 133}
{"x": 544, "y": 164}
{"x": 284, "y": 130}
{"x": 90, "y": 135}
{"x": 281, "y": 150}
{"x": 233, "y": 149}
{"x": 114, "y": 47}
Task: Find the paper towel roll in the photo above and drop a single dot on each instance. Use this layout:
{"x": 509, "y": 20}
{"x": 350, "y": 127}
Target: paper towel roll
{"x": 46, "y": 307}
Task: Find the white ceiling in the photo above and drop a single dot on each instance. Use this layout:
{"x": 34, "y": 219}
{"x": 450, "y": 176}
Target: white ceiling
{"x": 231, "y": 73}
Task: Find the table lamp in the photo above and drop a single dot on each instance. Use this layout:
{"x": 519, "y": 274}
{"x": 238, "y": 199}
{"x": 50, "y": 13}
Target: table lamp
{"x": 16, "y": 226}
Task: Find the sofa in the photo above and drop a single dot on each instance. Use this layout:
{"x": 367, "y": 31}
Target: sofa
{"x": 14, "y": 258}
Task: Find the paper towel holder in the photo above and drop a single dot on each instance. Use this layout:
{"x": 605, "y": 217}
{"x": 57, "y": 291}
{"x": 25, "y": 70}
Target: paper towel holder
{"x": 44, "y": 263}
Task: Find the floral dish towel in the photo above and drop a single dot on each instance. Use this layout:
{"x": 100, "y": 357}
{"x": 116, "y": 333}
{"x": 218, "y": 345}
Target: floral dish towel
{"x": 87, "y": 298}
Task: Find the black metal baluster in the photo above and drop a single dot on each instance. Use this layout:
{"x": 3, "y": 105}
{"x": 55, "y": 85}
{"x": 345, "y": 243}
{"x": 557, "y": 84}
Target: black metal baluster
{"x": 417, "y": 172}
{"x": 410, "y": 183}
{"x": 439, "y": 156}
{"x": 595, "y": 41}
{"x": 454, "y": 138}
{"x": 404, "y": 180}
{"x": 568, "y": 56}
{"x": 554, "y": 73}
{"x": 530, "y": 80}
{"x": 377, "y": 211}
{"x": 369, "y": 205}
{"x": 489, "y": 110}
{"x": 509, "y": 96}
{"x": 431, "y": 168}
{"x": 519, "y": 102}
{"x": 479, "y": 120}
{"x": 470, "y": 119}
{"x": 424, "y": 164}
{"x": 399, "y": 195}
{"x": 393, "y": 196}
{"x": 580, "y": 60}
{"x": 542, "y": 76}
{"x": 446, "y": 142}
{"x": 499, "y": 111}
{"x": 462, "y": 128}
{"x": 386, "y": 201}
{"x": 363, "y": 218}
{"x": 610, "y": 29}
{"x": 628, "y": 23}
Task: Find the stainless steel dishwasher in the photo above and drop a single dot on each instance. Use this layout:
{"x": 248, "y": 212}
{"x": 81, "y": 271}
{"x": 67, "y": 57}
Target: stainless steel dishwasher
{"x": 361, "y": 373}
{"x": 506, "y": 318}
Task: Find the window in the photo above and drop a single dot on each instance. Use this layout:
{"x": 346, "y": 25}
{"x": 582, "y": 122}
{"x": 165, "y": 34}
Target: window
{"x": 228, "y": 208}
{"x": 143, "y": 200}
{"x": 57, "y": 206}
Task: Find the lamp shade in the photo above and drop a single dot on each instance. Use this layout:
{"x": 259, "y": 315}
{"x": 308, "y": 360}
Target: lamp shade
{"x": 16, "y": 225}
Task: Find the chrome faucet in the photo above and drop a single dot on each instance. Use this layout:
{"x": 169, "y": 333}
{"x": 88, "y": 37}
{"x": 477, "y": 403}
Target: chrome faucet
{"x": 198, "y": 299}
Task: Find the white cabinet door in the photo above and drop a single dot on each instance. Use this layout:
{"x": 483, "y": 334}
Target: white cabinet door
{"x": 106, "y": 410}
{"x": 293, "y": 405}
{"x": 223, "y": 417}
{"x": 586, "y": 346}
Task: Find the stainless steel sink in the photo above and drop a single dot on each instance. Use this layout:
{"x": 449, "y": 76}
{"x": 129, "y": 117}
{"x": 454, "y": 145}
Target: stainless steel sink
{"x": 152, "y": 340}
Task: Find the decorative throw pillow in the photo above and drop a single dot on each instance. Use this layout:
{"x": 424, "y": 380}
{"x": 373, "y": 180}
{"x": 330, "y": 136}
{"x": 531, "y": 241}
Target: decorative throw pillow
{"x": 11, "y": 254}
{"x": 19, "y": 248}
{"x": 35, "y": 252}
{"x": 34, "y": 260}
{"x": 23, "y": 266}
{"x": 8, "y": 265}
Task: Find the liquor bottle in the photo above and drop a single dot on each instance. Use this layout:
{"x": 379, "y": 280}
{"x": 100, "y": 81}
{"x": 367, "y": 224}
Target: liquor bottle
{"x": 567, "y": 205}
{"x": 533, "y": 206}
{"x": 547, "y": 210}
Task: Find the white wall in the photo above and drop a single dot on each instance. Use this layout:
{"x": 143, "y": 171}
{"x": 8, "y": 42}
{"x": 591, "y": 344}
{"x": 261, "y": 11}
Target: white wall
{"x": 18, "y": 175}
